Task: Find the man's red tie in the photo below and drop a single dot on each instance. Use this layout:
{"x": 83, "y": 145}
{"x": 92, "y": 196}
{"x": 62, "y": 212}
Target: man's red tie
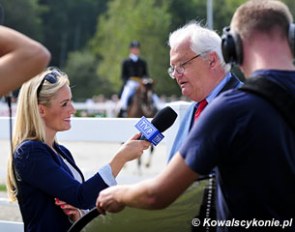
{"x": 201, "y": 106}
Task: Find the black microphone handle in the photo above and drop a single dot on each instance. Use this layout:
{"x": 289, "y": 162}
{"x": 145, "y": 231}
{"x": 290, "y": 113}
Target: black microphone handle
{"x": 142, "y": 137}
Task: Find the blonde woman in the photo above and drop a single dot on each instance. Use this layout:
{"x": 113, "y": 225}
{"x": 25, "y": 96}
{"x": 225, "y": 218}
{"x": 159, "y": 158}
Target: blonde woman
{"x": 42, "y": 174}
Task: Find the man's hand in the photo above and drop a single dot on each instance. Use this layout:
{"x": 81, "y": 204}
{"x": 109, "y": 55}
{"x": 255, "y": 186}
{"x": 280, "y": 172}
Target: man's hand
{"x": 108, "y": 200}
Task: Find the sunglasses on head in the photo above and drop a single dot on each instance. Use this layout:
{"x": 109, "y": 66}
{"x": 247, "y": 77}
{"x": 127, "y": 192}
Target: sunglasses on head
{"x": 50, "y": 77}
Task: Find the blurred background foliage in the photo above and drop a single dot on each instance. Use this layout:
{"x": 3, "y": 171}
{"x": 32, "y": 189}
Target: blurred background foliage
{"x": 89, "y": 38}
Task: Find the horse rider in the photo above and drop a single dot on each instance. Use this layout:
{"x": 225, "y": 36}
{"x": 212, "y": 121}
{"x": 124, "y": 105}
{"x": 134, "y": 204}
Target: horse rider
{"x": 134, "y": 70}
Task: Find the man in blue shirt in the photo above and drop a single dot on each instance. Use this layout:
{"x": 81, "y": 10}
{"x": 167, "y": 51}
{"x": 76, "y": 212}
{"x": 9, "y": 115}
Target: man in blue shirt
{"x": 199, "y": 80}
{"x": 198, "y": 67}
{"x": 243, "y": 136}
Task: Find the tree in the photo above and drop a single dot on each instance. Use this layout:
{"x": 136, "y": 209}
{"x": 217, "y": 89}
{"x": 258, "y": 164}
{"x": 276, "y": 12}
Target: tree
{"x": 146, "y": 21}
{"x": 24, "y": 16}
{"x": 183, "y": 12}
{"x": 81, "y": 69}
{"x": 69, "y": 25}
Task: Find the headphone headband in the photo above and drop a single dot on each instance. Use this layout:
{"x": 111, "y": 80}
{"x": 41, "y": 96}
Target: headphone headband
{"x": 232, "y": 46}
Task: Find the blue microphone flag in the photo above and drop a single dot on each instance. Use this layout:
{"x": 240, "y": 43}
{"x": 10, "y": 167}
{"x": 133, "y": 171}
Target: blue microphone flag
{"x": 149, "y": 131}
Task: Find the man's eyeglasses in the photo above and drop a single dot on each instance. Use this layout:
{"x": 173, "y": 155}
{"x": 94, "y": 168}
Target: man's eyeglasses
{"x": 50, "y": 77}
{"x": 180, "y": 69}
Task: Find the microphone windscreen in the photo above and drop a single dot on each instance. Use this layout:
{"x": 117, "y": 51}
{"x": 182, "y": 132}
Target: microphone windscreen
{"x": 164, "y": 118}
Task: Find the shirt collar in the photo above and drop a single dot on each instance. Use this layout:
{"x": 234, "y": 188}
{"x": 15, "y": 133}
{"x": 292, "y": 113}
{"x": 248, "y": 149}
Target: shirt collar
{"x": 133, "y": 57}
{"x": 218, "y": 88}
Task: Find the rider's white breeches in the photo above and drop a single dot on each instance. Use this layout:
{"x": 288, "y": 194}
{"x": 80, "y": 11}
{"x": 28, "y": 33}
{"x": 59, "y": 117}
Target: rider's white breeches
{"x": 129, "y": 89}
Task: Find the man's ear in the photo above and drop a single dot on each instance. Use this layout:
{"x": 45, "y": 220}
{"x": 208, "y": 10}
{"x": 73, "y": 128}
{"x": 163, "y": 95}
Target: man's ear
{"x": 212, "y": 58}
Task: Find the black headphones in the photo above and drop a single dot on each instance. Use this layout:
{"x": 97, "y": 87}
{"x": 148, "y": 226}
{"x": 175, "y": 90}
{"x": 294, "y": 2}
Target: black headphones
{"x": 232, "y": 47}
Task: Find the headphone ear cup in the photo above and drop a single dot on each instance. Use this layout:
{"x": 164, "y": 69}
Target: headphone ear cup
{"x": 292, "y": 37}
{"x": 231, "y": 46}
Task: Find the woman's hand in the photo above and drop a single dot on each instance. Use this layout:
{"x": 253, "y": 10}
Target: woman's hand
{"x": 130, "y": 150}
{"x": 133, "y": 148}
{"x": 72, "y": 212}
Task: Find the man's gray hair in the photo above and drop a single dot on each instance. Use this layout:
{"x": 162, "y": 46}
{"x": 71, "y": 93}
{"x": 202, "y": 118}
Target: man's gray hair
{"x": 202, "y": 40}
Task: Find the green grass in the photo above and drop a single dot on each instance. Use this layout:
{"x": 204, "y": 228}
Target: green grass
{"x": 2, "y": 188}
{"x": 177, "y": 217}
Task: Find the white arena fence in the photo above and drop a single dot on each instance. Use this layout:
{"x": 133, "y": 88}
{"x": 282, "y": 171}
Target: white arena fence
{"x": 89, "y": 129}
{"x": 107, "y": 108}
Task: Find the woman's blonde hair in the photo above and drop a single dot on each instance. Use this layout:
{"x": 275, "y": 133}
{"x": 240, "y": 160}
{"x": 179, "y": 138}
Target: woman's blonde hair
{"x": 28, "y": 122}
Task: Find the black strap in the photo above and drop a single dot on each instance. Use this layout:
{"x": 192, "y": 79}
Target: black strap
{"x": 83, "y": 221}
{"x": 233, "y": 82}
{"x": 207, "y": 208}
{"x": 274, "y": 93}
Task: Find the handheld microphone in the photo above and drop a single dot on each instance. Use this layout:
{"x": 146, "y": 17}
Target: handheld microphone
{"x": 152, "y": 131}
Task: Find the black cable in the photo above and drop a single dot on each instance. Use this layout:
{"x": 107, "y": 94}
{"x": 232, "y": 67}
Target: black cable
{"x": 8, "y": 100}
{"x": 82, "y": 222}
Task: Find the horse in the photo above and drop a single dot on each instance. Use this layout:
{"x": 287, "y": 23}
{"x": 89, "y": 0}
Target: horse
{"x": 142, "y": 104}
